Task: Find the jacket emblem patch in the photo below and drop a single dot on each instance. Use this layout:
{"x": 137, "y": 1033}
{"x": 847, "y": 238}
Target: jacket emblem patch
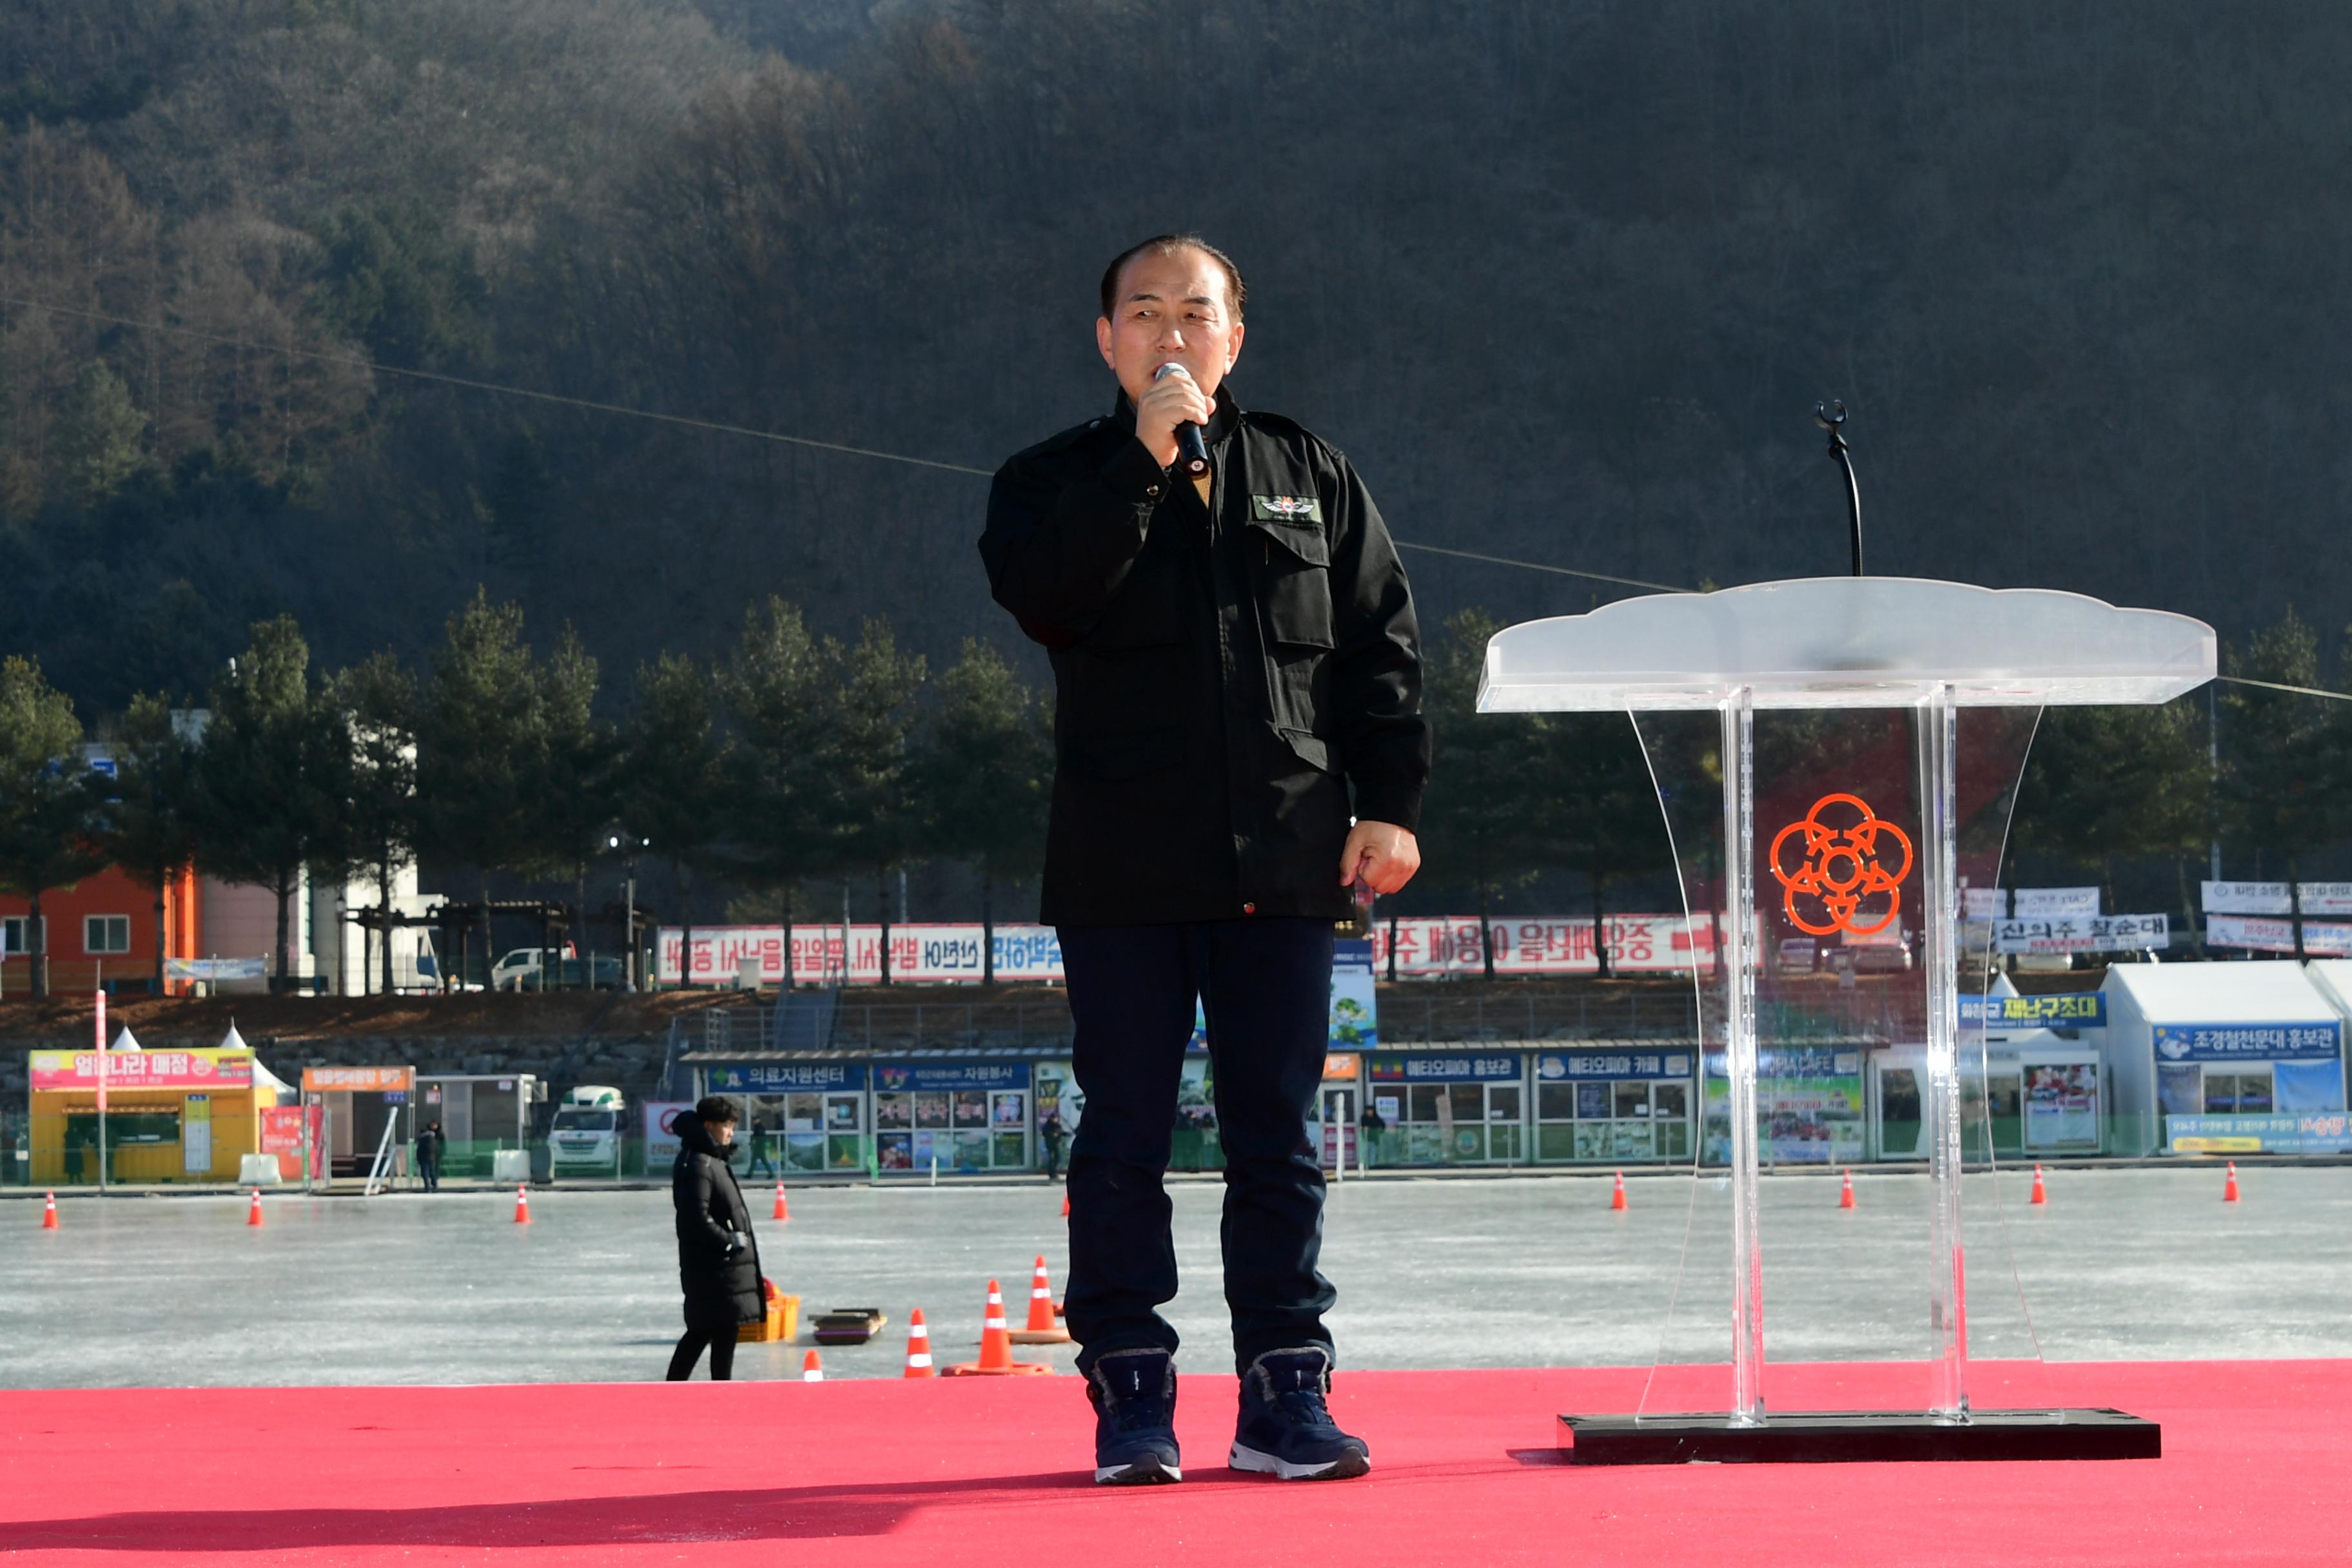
{"x": 1287, "y": 509}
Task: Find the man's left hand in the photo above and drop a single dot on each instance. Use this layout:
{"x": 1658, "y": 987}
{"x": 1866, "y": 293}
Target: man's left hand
{"x": 1381, "y": 854}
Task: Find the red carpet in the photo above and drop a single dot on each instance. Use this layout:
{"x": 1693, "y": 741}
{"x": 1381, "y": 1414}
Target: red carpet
{"x": 2257, "y": 1469}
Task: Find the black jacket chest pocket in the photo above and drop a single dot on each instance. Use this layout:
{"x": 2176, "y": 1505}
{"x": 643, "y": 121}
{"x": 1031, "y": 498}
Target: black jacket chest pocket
{"x": 1292, "y": 562}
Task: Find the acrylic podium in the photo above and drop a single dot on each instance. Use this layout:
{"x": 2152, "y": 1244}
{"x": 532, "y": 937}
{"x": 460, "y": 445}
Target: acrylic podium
{"x": 1836, "y": 759}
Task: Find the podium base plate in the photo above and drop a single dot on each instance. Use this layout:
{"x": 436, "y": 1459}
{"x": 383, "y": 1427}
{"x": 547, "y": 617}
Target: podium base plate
{"x": 1858, "y": 1437}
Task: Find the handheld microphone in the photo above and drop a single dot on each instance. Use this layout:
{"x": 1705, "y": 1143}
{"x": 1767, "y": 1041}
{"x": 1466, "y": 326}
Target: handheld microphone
{"x": 1192, "y": 451}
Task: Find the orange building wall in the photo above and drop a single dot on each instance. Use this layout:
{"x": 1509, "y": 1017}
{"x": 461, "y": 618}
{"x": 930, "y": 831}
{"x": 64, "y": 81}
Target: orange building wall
{"x": 109, "y": 892}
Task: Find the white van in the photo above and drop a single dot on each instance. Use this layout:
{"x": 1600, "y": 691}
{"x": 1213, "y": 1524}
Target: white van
{"x": 585, "y": 1140}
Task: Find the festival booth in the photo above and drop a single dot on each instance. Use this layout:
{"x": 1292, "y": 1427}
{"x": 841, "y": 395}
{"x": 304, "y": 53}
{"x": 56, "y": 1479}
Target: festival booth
{"x": 483, "y": 1115}
{"x": 2039, "y": 1085}
{"x": 1617, "y": 1102}
{"x": 2224, "y": 1059}
{"x": 162, "y": 1117}
{"x": 358, "y": 1123}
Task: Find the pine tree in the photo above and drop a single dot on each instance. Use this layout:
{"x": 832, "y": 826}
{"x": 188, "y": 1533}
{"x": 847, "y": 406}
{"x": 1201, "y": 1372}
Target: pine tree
{"x": 151, "y": 822}
{"x": 48, "y": 800}
{"x": 983, "y": 776}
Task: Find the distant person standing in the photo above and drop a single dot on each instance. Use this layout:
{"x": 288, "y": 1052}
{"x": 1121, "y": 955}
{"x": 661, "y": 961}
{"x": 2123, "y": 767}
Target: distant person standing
{"x": 717, "y": 1258}
{"x": 1049, "y": 1132}
{"x": 763, "y": 1149}
{"x": 428, "y": 1155}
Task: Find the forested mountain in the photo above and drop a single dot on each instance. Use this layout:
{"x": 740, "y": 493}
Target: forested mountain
{"x": 1565, "y": 279}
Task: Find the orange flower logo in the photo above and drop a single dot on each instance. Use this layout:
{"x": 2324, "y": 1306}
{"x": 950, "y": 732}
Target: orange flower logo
{"x": 1845, "y": 855}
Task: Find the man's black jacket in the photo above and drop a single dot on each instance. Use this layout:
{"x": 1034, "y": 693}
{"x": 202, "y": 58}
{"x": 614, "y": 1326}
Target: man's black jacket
{"x": 1223, "y": 674}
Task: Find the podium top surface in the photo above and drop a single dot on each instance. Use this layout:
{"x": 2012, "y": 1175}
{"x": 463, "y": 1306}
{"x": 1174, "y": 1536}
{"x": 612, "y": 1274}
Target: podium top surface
{"x": 1846, "y": 642}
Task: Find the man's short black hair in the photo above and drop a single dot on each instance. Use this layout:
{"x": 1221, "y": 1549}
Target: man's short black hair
{"x": 712, "y": 1110}
{"x": 1167, "y": 245}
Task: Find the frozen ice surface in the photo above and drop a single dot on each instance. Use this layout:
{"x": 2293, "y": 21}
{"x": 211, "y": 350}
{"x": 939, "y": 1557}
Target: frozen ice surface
{"x": 2123, "y": 1264}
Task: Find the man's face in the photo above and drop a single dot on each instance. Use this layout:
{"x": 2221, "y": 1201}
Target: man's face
{"x": 1171, "y": 307}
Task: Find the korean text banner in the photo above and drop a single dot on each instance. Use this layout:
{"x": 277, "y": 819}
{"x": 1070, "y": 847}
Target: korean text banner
{"x": 1557, "y": 1066}
{"x": 1426, "y": 946}
{"x": 2058, "y": 1010}
{"x": 780, "y": 1077}
{"x": 2258, "y": 933}
{"x": 926, "y": 953}
{"x": 144, "y": 1069}
{"x": 2315, "y": 1041}
{"x": 389, "y": 1081}
{"x": 2271, "y": 897}
{"x": 2083, "y": 933}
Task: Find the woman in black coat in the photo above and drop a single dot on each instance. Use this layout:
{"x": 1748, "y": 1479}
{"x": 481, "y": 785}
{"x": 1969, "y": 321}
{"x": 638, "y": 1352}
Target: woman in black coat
{"x": 717, "y": 1257}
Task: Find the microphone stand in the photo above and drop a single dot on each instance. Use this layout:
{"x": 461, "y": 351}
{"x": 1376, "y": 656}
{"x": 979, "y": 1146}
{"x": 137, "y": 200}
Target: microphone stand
{"x": 1831, "y": 418}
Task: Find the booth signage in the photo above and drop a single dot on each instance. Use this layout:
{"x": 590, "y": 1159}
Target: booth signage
{"x": 661, "y": 1129}
{"x": 2310, "y": 1132}
{"x": 890, "y": 1078}
{"x": 365, "y": 1080}
{"x": 2260, "y": 933}
{"x": 776, "y": 1077}
{"x": 2082, "y": 934}
{"x": 1341, "y": 1065}
{"x": 143, "y": 1070}
{"x": 2250, "y": 1042}
{"x": 2059, "y": 1010}
{"x": 1558, "y": 1066}
{"x": 1429, "y": 1068}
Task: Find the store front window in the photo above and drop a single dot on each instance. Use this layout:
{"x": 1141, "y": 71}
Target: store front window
{"x": 964, "y": 1116}
{"x": 1448, "y": 1109}
{"x": 1614, "y": 1106}
{"x": 801, "y": 1117}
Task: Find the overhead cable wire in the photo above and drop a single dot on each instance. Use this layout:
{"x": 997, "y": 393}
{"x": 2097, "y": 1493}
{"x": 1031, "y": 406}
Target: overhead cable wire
{"x": 359, "y": 361}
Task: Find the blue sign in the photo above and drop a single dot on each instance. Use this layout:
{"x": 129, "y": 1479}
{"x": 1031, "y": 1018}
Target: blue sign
{"x": 2250, "y": 1042}
{"x": 1558, "y": 1067}
{"x": 892, "y": 1077}
{"x": 2060, "y": 1010}
{"x": 779, "y": 1077}
{"x": 2313, "y": 1132}
{"x": 1448, "y": 1068}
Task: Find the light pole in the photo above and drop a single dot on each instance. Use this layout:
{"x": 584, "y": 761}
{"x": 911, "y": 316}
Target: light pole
{"x": 628, "y": 843}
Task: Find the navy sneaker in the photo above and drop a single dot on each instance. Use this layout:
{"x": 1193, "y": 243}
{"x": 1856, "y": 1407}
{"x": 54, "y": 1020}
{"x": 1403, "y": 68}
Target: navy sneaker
{"x": 1286, "y": 1430}
{"x": 1134, "y": 1396}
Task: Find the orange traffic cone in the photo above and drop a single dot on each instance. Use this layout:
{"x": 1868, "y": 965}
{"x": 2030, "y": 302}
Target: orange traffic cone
{"x": 1040, "y": 1329}
{"x": 784, "y": 1209}
{"x": 918, "y": 1347}
{"x": 253, "y": 1215}
{"x": 49, "y": 1213}
{"x": 812, "y": 1368}
{"x": 2230, "y": 1188}
{"x": 522, "y": 1205}
{"x": 1617, "y": 1193}
{"x": 1066, "y": 1205}
{"x": 996, "y": 1346}
{"x": 1845, "y": 1192}
{"x": 2041, "y": 1192}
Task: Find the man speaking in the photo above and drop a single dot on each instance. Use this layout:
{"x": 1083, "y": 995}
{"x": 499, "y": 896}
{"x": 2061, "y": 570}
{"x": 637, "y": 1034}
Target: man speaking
{"x": 1238, "y": 679}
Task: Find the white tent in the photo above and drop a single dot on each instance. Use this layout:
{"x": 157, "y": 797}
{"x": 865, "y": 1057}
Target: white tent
{"x": 126, "y": 1041}
{"x": 2333, "y": 978}
{"x": 2182, "y": 1038}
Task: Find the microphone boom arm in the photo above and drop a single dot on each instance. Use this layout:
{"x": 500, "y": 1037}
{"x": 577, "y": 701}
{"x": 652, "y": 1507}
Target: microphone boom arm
{"x": 1831, "y": 418}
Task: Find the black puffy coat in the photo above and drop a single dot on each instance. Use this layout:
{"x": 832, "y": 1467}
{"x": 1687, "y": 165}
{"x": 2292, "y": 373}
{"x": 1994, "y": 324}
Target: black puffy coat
{"x": 718, "y": 1256}
{"x": 1231, "y": 679}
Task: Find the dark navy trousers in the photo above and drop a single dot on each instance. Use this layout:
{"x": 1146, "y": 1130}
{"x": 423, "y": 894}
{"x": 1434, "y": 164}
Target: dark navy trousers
{"x": 1265, "y": 987}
